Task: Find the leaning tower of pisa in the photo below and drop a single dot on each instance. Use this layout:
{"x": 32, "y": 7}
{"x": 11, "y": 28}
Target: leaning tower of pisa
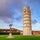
{"x": 26, "y": 21}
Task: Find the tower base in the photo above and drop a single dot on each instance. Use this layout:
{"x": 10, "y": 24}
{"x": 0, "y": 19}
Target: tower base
{"x": 27, "y": 31}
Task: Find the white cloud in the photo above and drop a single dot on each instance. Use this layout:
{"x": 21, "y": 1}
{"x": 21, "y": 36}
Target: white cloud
{"x": 36, "y": 26}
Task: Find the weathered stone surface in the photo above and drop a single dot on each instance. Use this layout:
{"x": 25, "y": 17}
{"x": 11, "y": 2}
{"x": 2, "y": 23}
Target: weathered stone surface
{"x": 26, "y": 21}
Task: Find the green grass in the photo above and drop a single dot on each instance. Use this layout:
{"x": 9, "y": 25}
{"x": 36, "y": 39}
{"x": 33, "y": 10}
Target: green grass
{"x": 18, "y": 37}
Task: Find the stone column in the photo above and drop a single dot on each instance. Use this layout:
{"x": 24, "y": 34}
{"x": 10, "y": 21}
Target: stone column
{"x": 26, "y": 21}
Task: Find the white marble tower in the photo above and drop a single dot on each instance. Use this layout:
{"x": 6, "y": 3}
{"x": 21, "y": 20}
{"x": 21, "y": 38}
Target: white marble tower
{"x": 26, "y": 21}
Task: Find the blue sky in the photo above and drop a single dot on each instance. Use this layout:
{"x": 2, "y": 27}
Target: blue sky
{"x": 11, "y": 12}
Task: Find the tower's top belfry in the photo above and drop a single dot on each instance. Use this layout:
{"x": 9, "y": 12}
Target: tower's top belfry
{"x": 26, "y": 10}
{"x": 26, "y": 7}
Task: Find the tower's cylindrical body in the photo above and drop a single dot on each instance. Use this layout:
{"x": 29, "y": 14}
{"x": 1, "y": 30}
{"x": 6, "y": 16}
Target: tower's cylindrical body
{"x": 26, "y": 21}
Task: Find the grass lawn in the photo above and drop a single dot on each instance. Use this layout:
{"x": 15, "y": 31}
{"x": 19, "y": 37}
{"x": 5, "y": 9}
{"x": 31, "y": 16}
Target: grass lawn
{"x": 18, "y": 37}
